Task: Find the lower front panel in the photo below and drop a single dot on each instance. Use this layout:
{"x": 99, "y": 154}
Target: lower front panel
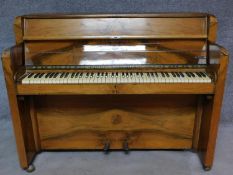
{"x": 89, "y": 122}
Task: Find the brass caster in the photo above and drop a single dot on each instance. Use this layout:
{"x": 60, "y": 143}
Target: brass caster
{"x": 30, "y": 169}
{"x": 207, "y": 168}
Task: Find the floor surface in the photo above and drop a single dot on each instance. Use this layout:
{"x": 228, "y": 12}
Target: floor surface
{"x": 117, "y": 163}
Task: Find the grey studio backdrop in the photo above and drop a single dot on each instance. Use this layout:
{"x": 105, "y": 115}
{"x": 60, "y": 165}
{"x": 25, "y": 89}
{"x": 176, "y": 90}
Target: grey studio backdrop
{"x": 222, "y": 9}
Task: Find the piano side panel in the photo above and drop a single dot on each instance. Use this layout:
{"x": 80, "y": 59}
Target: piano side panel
{"x": 114, "y": 52}
{"x": 84, "y": 28}
{"x": 145, "y": 122}
{"x": 212, "y": 113}
{"x": 12, "y": 60}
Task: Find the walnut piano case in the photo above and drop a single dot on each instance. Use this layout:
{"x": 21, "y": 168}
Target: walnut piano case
{"x": 120, "y": 82}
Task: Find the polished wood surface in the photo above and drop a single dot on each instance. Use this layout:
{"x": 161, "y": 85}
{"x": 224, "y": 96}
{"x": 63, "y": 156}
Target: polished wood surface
{"x": 212, "y": 112}
{"x": 91, "y": 52}
{"x": 160, "y": 88}
{"x": 89, "y": 116}
{"x": 97, "y": 28}
{"x": 11, "y": 61}
{"x": 86, "y": 122}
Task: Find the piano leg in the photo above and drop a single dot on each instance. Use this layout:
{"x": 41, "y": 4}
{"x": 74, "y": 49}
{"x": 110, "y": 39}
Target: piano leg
{"x": 20, "y": 109}
{"x": 210, "y": 118}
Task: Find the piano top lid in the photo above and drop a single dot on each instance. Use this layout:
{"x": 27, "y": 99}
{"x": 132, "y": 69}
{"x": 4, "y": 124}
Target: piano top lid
{"x": 115, "y": 26}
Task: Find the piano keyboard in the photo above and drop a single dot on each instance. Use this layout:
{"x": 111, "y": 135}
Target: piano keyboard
{"x": 115, "y": 77}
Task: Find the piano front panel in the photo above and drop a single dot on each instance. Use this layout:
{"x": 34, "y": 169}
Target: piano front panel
{"x": 115, "y": 52}
{"x": 88, "y": 122}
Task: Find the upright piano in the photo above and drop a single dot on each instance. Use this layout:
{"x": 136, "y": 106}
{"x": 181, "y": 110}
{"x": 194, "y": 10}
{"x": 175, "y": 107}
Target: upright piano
{"x": 115, "y": 82}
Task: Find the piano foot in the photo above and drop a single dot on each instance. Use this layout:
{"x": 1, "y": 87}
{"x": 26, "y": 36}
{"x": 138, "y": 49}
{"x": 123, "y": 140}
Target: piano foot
{"x": 30, "y": 168}
{"x": 106, "y": 147}
{"x": 126, "y": 147}
{"x": 207, "y": 168}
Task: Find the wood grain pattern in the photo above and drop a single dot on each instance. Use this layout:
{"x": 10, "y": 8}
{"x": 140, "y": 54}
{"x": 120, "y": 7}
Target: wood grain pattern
{"x": 160, "y": 88}
{"x": 211, "y": 115}
{"x": 18, "y": 30}
{"x": 11, "y": 61}
{"x": 197, "y": 125}
{"x": 97, "y": 28}
{"x": 33, "y": 117}
{"x": 85, "y": 122}
{"x": 213, "y": 26}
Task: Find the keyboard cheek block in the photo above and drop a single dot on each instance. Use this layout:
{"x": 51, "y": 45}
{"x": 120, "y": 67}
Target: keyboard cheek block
{"x": 115, "y": 82}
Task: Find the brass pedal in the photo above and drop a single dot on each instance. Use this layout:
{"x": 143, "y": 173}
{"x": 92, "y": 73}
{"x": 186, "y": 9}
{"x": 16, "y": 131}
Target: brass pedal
{"x": 126, "y": 147}
{"x": 106, "y": 147}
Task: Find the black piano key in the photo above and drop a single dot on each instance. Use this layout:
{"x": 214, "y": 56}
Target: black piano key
{"x": 202, "y": 74}
{"x": 167, "y": 74}
{"x": 41, "y": 75}
{"x": 198, "y": 74}
{"x": 163, "y": 75}
{"x": 106, "y": 74}
{"x": 36, "y": 75}
{"x": 76, "y": 75}
{"x": 192, "y": 74}
{"x": 187, "y": 73}
{"x": 55, "y": 75}
{"x": 156, "y": 74}
{"x": 66, "y": 75}
{"x": 206, "y": 75}
{"x": 131, "y": 74}
{"x": 30, "y": 75}
{"x": 47, "y": 75}
{"x": 62, "y": 75}
{"x": 181, "y": 74}
{"x": 102, "y": 74}
{"x": 51, "y": 75}
{"x": 173, "y": 74}
{"x": 177, "y": 74}
{"x": 72, "y": 75}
